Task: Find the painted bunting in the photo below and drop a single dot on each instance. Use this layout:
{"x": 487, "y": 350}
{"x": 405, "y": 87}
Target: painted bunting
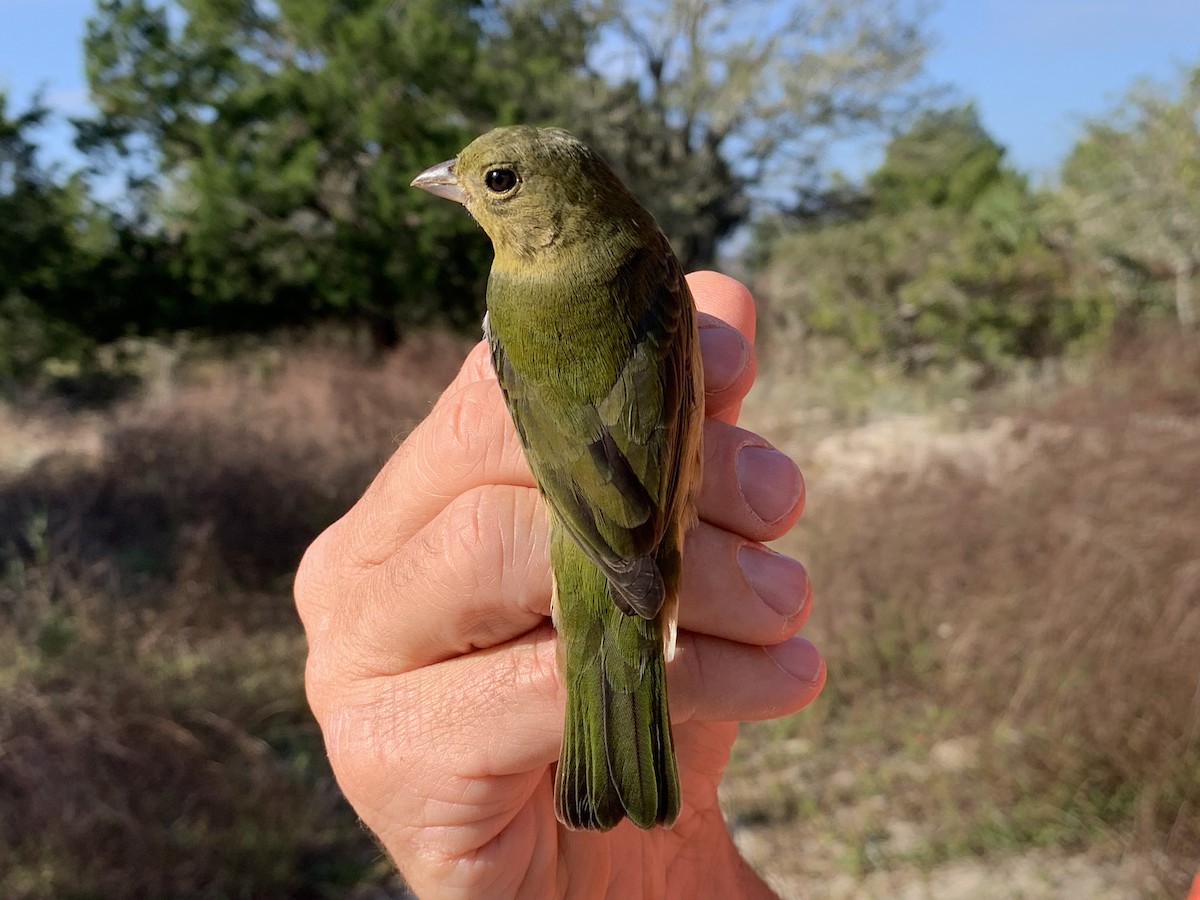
{"x": 592, "y": 331}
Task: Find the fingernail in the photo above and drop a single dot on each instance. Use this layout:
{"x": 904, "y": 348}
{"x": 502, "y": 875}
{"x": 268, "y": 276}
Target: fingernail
{"x": 770, "y": 482}
{"x": 798, "y": 658}
{"x": 725, "y": 356}
{"x": 779, "y": 580}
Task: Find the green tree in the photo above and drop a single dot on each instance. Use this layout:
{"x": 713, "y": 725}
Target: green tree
{"x": 535, "y": 56}
{"x": 946, "y": 159}
{"x": 711, "y": 109}
{"x": 38, "y": 263}
{"x": 949, "y": 264}
{"x": 34, "y": 235}
{"x": 284, "y": 136}
{"x": 72, "y": 273}
{"x": 274, "y": 141}
{"x": 1132, "y": 187}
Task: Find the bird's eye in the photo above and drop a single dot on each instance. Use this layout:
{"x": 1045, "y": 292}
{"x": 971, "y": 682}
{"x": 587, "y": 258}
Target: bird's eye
{"x": 500, "y": 181}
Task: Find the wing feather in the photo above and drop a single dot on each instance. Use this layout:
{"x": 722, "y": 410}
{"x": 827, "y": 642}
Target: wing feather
{"x": 619, "y": 470}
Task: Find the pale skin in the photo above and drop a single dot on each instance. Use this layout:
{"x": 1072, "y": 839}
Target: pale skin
{"x": 431, "y": 662}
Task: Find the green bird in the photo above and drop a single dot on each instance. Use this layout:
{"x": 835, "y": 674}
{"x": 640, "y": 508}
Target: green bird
{"x": 593, "y": 337}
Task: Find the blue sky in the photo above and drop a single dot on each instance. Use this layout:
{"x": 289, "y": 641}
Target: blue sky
{"x": 1036, "y": 68}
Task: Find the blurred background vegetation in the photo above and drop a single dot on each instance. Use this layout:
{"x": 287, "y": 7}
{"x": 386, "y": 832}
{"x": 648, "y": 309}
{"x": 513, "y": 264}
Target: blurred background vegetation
{"x": 993, "y": 385}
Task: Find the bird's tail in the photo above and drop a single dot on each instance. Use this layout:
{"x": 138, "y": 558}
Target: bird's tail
{"x": 617, "y": 757}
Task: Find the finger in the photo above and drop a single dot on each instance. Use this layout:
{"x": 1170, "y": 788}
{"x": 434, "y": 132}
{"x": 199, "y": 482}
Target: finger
{"x": 714, "y": 680}
{"x": 749, "y": 487}
{"x": 729, "y": 368}
{"x": 477, "y": 366}
{"x": 468, "y": 441}
{"x": 477, "y": 574}
{"x": 740, "y": 590}
{"x": 465, "y": 443}
{"x": 727, "y": 300}
{"x": 499, "y": 712}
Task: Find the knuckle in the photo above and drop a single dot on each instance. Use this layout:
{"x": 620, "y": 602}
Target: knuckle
{"x": 686, "y": 679}
{"x": 469, "y": 437}
{"x": 316, "y": 678}
{"x": 372, "y": 745}
{"x": 465, "y": 425}
{"x": 480, "y": 531}
{"x": 466, "y": 528}
{"x": 312, "y": 574}
{"x": 474, "y": 537}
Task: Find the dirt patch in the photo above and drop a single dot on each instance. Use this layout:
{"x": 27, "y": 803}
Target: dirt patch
{"x": 1035, "y": 875}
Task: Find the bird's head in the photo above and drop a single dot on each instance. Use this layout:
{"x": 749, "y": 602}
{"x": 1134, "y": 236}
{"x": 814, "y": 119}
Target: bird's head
{"x": 533, "y": 190}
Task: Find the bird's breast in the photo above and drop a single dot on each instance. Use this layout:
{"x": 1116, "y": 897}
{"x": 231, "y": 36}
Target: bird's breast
{"x": 569, "y": 333}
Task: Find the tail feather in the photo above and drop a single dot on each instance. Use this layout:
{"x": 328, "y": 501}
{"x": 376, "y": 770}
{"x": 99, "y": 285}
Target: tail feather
{"x": 637, "y": 744}
{"x": 584, "y": 796}
{"x": 617, "y": 756}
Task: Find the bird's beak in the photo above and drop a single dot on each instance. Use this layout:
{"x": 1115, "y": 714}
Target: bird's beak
{"x": 440, "y": 180}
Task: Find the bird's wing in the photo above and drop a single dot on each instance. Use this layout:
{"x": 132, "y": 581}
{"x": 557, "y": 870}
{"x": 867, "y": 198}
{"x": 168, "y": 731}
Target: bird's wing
{"x": 615, "y": 472}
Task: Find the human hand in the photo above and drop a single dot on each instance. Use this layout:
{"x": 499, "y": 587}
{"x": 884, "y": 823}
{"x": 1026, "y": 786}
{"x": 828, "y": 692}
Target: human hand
{"x": 432, "y": 660}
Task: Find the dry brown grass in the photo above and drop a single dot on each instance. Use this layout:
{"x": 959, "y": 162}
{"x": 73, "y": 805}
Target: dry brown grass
{"x": 156, "y": 741}
{"x": 1055, "y": 613}
{"x": 155, "y": 736}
